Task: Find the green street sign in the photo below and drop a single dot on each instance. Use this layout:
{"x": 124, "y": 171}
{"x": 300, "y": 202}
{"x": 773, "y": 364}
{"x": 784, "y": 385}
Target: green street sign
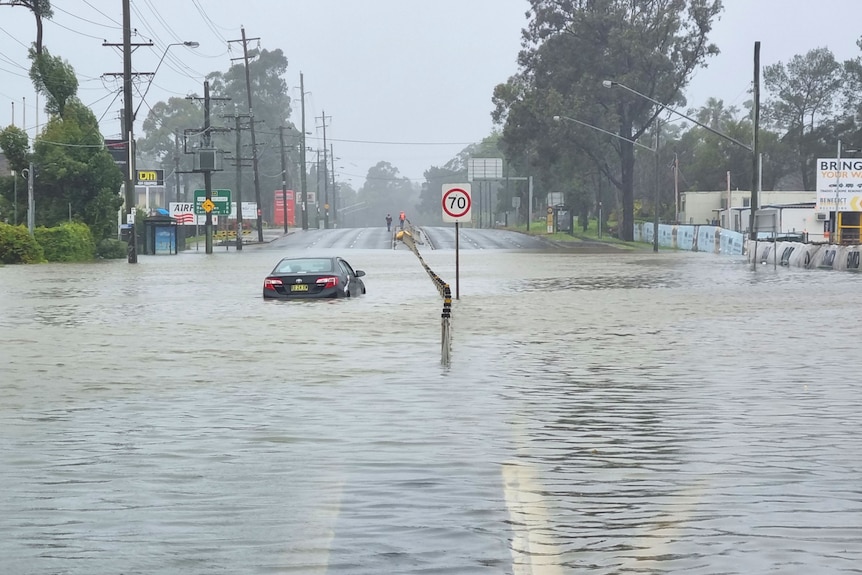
{"x": 220, "y": 199}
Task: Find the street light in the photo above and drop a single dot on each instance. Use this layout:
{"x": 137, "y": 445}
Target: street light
{"x": 611, "y": 84}
{"x": 653, "y": 150}
{"x": 752, "y": 149}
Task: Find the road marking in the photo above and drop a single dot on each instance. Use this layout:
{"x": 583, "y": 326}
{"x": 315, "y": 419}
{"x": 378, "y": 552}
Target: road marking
{"x": 534, "y": 551}
{"x": 657, "y": 540}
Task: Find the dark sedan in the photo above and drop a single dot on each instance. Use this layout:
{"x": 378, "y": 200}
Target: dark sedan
{"x": 313, "y": 277}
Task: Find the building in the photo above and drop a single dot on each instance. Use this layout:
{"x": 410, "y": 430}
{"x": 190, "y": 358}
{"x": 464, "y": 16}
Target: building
{"x": 712, "y": 207}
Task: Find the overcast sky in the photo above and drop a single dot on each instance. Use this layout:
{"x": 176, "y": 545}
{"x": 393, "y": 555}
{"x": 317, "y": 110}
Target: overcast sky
{"x": 405, "y": 81}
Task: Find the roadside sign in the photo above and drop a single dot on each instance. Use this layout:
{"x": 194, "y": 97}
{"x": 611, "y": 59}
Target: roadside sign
{"x": 220, "y": 202}
{"x": 184, "y": 213}
{"x": 457, "y": 203}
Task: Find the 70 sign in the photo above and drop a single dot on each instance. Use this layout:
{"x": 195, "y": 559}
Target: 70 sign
{"x": 457, "y": 203}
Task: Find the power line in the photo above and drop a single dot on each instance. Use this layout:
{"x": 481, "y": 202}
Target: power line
{"x": 388, "y": 143}
{"x": 118, "y": 26}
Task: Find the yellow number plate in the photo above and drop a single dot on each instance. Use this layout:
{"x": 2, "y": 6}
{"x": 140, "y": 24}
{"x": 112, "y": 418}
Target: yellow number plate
{"x": 299, "y": 287}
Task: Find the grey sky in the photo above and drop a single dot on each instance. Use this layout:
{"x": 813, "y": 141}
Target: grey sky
{"x": 408, "y": 82}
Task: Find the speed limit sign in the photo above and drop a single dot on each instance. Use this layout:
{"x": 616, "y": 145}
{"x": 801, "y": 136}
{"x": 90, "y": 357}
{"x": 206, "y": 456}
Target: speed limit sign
{"x": 457, "y": 203}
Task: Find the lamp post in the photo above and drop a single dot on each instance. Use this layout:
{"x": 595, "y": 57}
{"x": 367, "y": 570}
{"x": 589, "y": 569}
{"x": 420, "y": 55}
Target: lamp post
{"x": 752, "y": 149}
{"x": 15, "y": 195}
{"x": 653, "y": 150}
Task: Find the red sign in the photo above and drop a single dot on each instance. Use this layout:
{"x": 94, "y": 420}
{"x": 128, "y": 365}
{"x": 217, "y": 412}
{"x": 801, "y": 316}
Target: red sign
{"x": 278, "y": 208}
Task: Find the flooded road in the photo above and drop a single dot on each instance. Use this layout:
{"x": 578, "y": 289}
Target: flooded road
{"x": 670, "y": 413}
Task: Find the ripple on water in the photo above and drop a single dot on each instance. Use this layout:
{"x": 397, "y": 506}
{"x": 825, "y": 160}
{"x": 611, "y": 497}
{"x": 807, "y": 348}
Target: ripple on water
{"x": 602, "y": 414}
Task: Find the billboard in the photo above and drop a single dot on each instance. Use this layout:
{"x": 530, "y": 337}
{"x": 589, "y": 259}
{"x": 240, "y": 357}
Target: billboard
{"x": 839, "y": 185}
{"x": 184, "y": 213}
{"x": 278, "y": 208}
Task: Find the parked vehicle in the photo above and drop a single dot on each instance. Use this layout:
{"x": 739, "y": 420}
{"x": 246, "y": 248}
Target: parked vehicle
{"x": 313, "y": 277}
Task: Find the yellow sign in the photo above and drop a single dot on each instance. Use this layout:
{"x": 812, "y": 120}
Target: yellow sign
{"x": 208, "y": 205}
{"x": 856, "y": 203}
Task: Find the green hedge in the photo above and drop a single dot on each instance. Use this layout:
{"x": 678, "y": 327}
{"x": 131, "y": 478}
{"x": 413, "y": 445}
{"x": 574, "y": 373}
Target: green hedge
{"x": 69, "y": 242}
{"x": 112, "y": 249}
{"x": 18, "y": 247}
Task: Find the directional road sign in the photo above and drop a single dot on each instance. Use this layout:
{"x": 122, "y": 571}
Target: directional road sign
{"x": 457, "y": 203}
{"x": 220, "y": 202}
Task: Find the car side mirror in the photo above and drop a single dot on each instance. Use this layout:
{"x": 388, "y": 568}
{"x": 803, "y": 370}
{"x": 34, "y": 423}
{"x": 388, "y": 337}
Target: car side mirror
{"x": 359, "y": 273}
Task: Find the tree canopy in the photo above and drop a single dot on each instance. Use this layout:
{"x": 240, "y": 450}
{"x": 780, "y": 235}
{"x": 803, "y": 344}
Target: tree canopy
{"x": 570, "y": 48}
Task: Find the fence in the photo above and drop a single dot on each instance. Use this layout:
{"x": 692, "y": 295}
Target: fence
{"x": 410, "y": 236}
{"x": 696, "y": 238}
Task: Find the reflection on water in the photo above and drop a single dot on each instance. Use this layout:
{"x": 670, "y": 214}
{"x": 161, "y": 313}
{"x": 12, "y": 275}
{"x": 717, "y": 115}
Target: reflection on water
{"x": 161, "y": 418}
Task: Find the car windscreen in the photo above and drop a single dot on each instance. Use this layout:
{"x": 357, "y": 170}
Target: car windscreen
{"x": 304, "y": 266}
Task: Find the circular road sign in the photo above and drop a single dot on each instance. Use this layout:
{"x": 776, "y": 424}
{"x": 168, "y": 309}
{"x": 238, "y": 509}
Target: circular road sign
{"x": 457, "y": 203}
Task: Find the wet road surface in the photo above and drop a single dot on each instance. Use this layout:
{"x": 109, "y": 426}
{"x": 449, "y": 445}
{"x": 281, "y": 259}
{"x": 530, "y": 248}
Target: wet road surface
{"x": 630, "y": 413}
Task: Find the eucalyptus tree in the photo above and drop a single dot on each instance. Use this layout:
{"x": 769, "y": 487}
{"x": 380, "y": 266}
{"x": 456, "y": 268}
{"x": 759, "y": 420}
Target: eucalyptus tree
{"x": 570, "y": 48}
{"x": 41, "y": 9}
{"x": 54, "y": 78}
{"x": 271, "y": 106}
{"x": 803, "y": 96}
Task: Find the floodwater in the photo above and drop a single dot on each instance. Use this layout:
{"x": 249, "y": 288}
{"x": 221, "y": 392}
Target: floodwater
{"x": 634, "y": 413}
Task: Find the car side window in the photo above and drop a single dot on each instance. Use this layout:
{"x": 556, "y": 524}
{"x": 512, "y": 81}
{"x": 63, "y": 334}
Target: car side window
{"x": 346, "y": 267}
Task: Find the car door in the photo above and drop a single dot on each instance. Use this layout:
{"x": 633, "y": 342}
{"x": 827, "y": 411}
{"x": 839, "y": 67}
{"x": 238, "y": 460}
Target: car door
{"x": 352, "y": 283}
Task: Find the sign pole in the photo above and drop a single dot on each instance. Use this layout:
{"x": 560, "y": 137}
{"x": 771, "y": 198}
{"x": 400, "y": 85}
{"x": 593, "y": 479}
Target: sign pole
{"x": 457, "y": 205}
{"x": 457, "y": 266}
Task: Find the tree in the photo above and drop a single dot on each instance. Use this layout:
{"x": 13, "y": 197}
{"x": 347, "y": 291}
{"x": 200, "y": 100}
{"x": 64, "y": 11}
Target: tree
{"x": 76, "y": 178}
{"x": 570, "y": 49}
{"x": 164, "y": 127}
{"x": 14, "y": 144}
{"x": 15, "y": 147}
{"x": 803, "y": 96}
{"x": 55, "y": 79}
{"x": 271, "y": 105}
{"x": 385, "y": 191}
{"x": 40, "y": 9}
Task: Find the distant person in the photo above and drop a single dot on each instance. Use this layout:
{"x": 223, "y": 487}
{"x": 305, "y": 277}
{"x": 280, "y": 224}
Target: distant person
{"x": 388, "y": 222}
{"x": 402, "y": 217}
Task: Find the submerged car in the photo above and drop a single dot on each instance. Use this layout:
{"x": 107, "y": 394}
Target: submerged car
{"x": 313, "y": 277}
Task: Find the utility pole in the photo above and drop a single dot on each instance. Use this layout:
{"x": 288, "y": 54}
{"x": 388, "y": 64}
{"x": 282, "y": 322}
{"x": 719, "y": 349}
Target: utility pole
{"x": 128, "y": 123}
{"x": 657, "y": 188}
{"x": 755, "y": 147}
{"x": 31, "y": 202}
{"x": 208, "y": 170}
{"x": 177, "y": 164}
{"x": 325, "y": 177}
{"x": 302, "y": 172}
{"x": 334, "y": 189}
{"x": 317, "y": 194}
{"x": 238, "y": 154}
{"x": 238, "y": 164}
{"x": 245, "y": 42}
{"x": 208, "y": 175}
{"x": 284, "y": 177}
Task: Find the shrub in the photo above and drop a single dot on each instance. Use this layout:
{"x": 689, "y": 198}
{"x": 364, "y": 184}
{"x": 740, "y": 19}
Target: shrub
{"x": 111, "y": 249}
{"x": 17, "y": 246}
{"x": 69, "y": 242}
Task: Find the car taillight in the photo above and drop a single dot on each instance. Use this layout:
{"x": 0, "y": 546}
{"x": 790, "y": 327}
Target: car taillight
{"x": 330, "y": 281}
{"x": 271, "y": 283}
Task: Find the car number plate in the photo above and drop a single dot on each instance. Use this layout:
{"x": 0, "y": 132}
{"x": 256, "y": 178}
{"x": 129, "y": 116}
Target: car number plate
{"x": 299, "y": 287}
